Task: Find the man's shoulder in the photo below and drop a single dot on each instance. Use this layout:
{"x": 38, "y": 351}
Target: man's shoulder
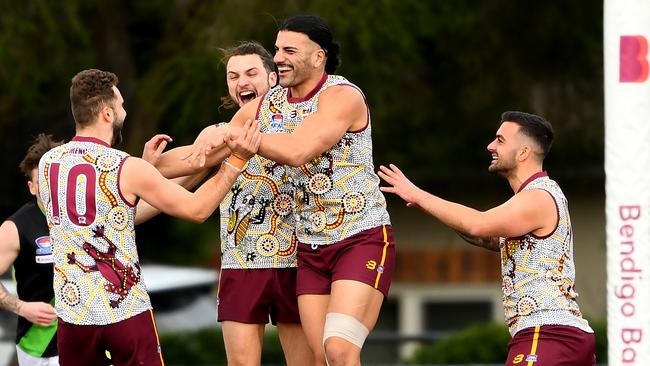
{"x": 339, "y": 84}
{"x": 337, "y": 79}
{"x": 54, "y": 152}
{"x": 27, "y": 209}
{"x": 275, "y": 92}
{"x": 115, "y": 151}
{"x": 344, "y": 94}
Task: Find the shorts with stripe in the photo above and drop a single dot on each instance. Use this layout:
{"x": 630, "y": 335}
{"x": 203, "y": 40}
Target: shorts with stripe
{"x": 133, "y": 341}
{"x": 368, "y": 257}
{"x": 253, "y": 296}
{"x": 552, "y": 345}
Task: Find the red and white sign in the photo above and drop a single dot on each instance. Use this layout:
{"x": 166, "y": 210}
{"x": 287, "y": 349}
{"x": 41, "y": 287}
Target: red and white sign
{"x": 627, "y": 166}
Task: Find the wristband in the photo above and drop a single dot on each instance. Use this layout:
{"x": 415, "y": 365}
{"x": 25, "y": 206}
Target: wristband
{"x": 237, "y": 162}
{"x": 232, "y": 166}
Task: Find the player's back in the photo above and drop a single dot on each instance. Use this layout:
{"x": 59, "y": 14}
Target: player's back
{"x": 97, "y": 277}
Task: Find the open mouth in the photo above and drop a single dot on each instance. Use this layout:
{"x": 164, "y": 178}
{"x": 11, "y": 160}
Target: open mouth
{"x": 246, "y": 96}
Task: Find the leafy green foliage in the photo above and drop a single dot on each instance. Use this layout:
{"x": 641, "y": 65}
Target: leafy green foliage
{"x": 205, "y": 347}
{"x": 600, "y": 330}
{"x": 437, "y": 74}
{"x": 486, "y": 343}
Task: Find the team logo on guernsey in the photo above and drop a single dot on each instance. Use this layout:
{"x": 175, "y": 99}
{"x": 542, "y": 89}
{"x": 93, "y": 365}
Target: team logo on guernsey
{"x": 531, "y": 358}
{"x": 276, "y": 122}
{"x": 371, "y": 265}
{"x": 518, "y": 358}
{"x": 43, "y": 250}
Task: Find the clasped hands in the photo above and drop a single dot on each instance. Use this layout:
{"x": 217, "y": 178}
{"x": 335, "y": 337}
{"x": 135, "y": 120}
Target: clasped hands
{"x": 243, "y": 142}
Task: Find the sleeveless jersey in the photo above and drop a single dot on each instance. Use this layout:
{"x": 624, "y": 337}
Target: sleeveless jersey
{"x": 539, "y": 273}
{"x": 257, "y": 223}
{"x": 33, "y": 272}
{"x": 336, "y": 195}
{"x": 97, "y": 277}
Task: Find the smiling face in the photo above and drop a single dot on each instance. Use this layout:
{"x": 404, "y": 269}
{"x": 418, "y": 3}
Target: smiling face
{"x": 247, "y": 78}
{"x": 504, "y": 149}
{"x": 298, "y": 58}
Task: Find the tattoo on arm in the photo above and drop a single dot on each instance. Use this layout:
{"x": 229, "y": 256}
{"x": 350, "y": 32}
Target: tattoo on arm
{"x": 489, "y": 243}
{"x": 8, "y": 301}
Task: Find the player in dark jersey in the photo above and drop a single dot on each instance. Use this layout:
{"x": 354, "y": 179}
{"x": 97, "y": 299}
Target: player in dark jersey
{"x": 25, "y": 243}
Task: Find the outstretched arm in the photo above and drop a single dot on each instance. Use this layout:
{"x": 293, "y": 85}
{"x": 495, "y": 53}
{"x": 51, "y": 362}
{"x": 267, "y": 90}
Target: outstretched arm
{"x": 152, "y": 153}
{"x": 174, "y": 163}
{"x": 340, "y": 109}
{"x": 208, "y": 148}
{"x": 526, "y": 212}
{"x": 145, "y": 211}
{"x": 35, "y": 311}
{"x": 140, "y": 179}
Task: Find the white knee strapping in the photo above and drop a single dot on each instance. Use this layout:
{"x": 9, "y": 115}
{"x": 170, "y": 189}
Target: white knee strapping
{"x": 346, "y": 327}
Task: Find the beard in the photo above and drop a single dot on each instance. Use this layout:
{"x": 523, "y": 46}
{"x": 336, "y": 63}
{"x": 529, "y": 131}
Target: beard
{"x": 117, "y": 132}
{"x": 503, "y": 165}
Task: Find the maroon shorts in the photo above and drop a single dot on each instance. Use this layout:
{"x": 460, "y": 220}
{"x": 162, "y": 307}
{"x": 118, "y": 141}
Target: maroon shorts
{"x": 368, "y": 257}
{"x": 253, "y": 295}
{"x": 552, "y": 345}
{"x": 133, "y": 341}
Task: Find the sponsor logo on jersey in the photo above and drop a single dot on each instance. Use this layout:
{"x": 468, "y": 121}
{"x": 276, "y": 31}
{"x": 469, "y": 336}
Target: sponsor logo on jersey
{"x": 43, "y": 249}
{"x": 277, "y": 122}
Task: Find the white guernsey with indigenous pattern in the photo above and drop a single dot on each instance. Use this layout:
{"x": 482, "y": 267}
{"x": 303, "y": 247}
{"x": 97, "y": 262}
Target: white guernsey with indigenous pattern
{"x": 97, "y": 277}
{"x": 257, "y": 223}
{"x": 539, "y": 272}
{"x": 336, "y": 195}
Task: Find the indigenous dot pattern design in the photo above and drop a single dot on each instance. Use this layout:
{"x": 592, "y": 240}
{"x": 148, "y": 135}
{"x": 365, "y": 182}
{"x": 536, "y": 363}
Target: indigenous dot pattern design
{"x": 336, "y": 195}
{"x": 539, "y": 273}
{"x": 97, "y": 277}
{"x": 257, "y": 216}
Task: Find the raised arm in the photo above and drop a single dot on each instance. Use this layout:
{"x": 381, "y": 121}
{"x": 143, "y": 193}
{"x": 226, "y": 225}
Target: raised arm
{"x": 174, "y": 163}
{"x": 530, "y": 211}
{"x": 208, "y": 148}
{"x": 141, "y": 179}
{"x": 35, "y": 311}
{"x": 340, "y": 108}
{"x": 145, "y": 211}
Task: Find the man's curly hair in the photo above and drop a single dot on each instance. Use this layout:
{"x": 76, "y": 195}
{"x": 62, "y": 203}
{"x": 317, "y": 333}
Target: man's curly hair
{"x": 90, "y": 91}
